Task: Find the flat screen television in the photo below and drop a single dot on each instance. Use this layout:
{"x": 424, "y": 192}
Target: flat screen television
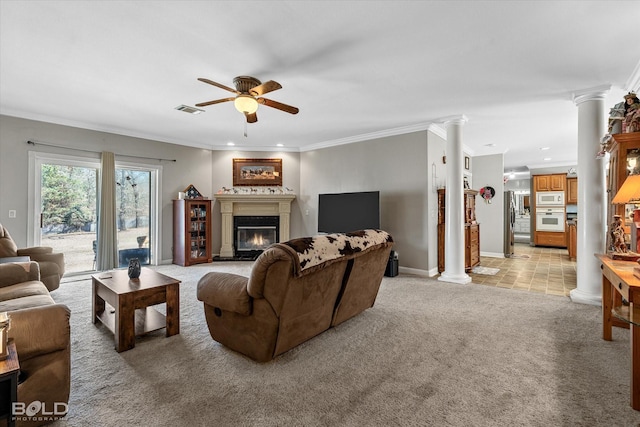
{"x": 344, "y": 212}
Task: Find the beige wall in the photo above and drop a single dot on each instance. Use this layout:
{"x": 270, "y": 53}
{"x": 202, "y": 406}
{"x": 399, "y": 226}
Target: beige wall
{"x": 398, "y": 166}
{"x": 207, "y": 170}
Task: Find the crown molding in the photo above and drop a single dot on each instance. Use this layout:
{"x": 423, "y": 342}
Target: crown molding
{"x": 438, "y": 130}
{"x": 374, "y": 135}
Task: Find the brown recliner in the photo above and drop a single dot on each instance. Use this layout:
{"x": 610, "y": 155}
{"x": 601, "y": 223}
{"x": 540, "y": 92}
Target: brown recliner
{"x": 51, "y": 264}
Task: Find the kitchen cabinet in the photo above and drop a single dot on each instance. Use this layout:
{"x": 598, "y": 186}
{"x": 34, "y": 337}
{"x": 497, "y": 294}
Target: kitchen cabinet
{"x": 191, "y": 231}
{"x": 572, "y": 191}
{"x": 552, "y": 182}
{"x": 550, "y": 238}
{"x": 471, "y": 230}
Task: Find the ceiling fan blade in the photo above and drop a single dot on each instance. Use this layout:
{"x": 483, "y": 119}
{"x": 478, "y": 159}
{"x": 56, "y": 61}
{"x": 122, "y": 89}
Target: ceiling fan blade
{"x": 251, "y": 118}
{"x": 217, "y": 101}
{"x": 221, "y": 86}
{"x": 265, "y": 87}
{"x": 278, "y": 105}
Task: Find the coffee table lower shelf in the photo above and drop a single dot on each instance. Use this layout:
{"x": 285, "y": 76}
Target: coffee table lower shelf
{"x": 146, "y": 320}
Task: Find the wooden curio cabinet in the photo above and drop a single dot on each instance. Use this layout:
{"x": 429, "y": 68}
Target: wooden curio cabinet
{"x": 191, "y": 232}
{"x": 623, "y": 147}
{"x": 471, "y": 230}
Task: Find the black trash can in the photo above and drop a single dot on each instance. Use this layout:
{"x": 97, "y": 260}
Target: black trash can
{"x": 392, "y": 265}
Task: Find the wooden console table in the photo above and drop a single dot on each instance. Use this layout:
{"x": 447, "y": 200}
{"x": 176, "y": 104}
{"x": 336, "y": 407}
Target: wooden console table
{"x": 618, "y": 278}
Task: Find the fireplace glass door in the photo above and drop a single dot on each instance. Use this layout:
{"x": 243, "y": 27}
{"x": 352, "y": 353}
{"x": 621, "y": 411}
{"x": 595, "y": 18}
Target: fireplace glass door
{"x": 254, "y": 234}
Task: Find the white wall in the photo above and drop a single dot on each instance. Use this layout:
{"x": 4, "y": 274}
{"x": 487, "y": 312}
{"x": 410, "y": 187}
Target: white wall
{"x": 488, "y": 171}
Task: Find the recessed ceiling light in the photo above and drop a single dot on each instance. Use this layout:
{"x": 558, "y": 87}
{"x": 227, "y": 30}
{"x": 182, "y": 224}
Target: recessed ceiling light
{"x": 280, "y": 145}
{"x": 490, "y": 145}
{"x": 545, "y": 148}
{"x": 546, "y": 159}
{"x": 188, "y": 109}
{"x": 231, "y": 144}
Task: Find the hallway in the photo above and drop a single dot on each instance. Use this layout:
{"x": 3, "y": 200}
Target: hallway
{"x": 534, "y": 269}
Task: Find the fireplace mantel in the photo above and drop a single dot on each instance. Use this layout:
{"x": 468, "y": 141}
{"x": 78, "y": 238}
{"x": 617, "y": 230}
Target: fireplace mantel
{"x": 249, "y": 205}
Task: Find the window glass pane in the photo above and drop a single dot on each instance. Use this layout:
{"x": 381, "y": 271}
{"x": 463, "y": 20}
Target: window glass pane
{"x": 133, "y": 204}
{"x": 68, "y": 214}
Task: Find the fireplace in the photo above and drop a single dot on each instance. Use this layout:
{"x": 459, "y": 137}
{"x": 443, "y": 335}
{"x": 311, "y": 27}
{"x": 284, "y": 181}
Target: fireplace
{"x": 244, "y": 204}
{"x": 253, "y": 234}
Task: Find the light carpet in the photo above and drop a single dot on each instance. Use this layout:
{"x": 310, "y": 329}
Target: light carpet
{"x": 428, "y": 353}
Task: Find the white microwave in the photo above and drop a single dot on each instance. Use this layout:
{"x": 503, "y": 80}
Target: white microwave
{"x": 550, "y": 198}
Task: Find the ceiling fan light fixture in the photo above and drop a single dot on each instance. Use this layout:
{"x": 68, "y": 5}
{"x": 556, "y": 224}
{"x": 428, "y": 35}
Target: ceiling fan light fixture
{"x": 246, "y": 104}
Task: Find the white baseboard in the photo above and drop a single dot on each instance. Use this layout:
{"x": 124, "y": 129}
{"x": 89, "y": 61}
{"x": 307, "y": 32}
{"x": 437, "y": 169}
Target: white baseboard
{"x": 492, "y": 254}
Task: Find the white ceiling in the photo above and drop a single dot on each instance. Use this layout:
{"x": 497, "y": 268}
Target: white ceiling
{"x": 356, "y": 69}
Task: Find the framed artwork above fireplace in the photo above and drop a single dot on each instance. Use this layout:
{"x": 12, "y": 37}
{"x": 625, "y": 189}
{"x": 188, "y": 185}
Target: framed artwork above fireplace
{"x": 256, "y": 172}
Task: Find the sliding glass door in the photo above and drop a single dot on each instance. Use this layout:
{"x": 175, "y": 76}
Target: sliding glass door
{"x": 68, "y": 213}
{"x": 64, "y": 202}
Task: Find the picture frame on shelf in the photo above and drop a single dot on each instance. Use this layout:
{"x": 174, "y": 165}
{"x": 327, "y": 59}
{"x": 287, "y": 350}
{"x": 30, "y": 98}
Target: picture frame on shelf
{"x": 257, "y": 172}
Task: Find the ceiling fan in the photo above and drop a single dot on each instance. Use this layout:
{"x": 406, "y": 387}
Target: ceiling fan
{"x": 249, "y": 91}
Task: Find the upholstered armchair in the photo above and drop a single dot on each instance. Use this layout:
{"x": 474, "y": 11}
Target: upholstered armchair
{"x": 51, "y": 264}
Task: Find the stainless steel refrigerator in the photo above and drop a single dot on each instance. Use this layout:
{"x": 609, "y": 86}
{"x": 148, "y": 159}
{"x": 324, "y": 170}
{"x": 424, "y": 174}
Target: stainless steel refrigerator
{"x": 509, "y": 222}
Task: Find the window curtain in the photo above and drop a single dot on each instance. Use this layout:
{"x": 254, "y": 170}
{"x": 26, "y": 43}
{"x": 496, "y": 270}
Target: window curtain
{"x": 107, "y": 256}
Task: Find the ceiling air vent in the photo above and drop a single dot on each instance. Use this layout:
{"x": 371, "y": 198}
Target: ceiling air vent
{"x": 190, "y": 110}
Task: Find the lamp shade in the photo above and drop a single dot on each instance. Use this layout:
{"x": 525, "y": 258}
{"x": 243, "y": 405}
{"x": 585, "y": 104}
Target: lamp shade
{"x": 246, "y": 104}
{"x": 629, "y": 192}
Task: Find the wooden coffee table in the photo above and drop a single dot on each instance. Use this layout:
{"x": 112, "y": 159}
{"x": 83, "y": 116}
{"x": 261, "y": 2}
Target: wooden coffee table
{"x": 124, "y": 304}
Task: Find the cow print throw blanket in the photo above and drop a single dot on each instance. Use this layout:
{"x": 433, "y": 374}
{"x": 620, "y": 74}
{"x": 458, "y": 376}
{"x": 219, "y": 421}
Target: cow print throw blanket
{"x": 313, "y": 251}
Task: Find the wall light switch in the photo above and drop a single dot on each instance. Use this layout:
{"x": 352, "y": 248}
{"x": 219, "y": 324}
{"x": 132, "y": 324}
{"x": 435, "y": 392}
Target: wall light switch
{"x": 12, "y": 213}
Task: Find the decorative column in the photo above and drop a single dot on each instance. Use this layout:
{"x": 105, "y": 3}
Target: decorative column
{"x": 454, "y": 201}
{"x": 226, "y": 231}
{"x": 592, "y": 197}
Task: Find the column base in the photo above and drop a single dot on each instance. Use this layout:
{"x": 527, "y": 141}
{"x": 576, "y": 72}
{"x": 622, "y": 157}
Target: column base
{"x": 583, "y": 297}
{"x": 463, "y": 278}
{"x": 226, "y": 252}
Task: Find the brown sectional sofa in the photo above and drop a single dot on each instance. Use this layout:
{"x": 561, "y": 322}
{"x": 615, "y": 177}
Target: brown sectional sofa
{"x": 296, "y": 290}
{"x": 41, "y": 331}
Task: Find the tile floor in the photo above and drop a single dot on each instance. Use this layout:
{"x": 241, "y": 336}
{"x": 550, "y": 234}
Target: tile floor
{"x": 534, "y": 269}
